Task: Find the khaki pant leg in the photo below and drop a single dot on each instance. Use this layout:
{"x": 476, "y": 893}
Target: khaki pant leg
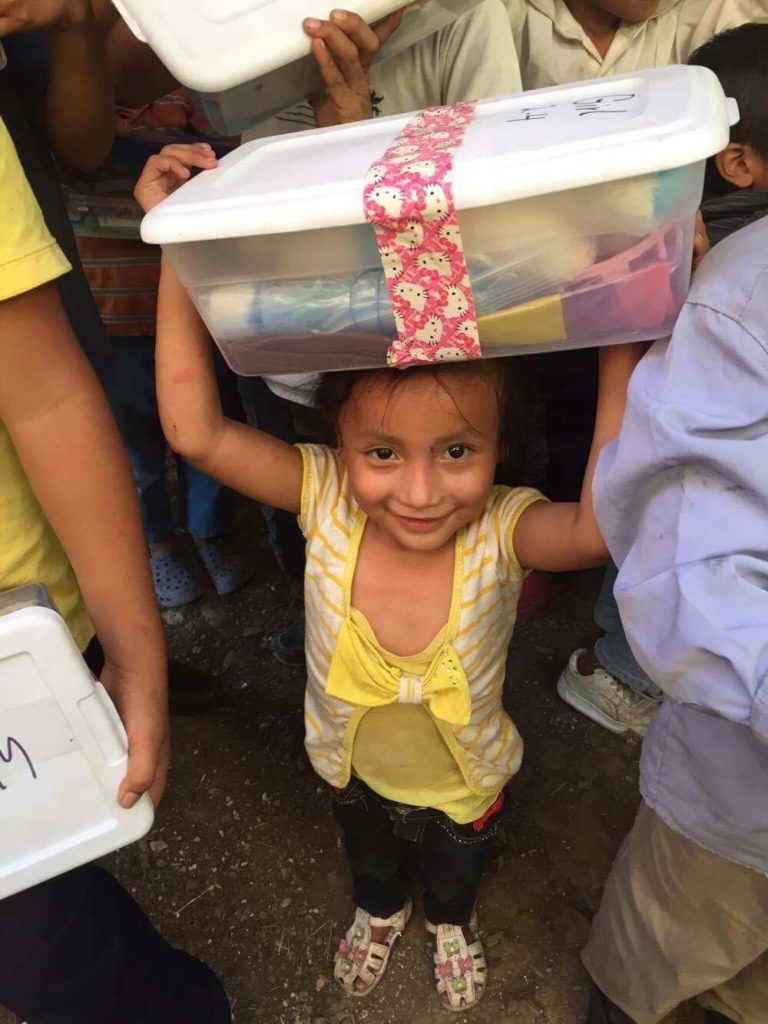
{"x": 675, "y": 921}
{"x": 743, "y": 999}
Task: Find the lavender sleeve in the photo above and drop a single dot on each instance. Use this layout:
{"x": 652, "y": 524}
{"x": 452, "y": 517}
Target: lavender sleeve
{"x": 682, "y": 499}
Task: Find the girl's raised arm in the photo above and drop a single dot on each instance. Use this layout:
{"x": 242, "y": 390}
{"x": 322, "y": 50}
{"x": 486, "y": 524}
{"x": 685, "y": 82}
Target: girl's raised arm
{"x": 242, "y": 457}
{"x": 565, "y": 535}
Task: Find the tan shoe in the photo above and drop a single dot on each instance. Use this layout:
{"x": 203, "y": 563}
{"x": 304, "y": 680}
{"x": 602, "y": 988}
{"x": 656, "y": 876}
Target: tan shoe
{"x": 360, "y": 963}
{"x": 604, "y": 699}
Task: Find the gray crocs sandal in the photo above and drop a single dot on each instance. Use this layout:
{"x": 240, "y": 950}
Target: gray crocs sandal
{"x": 175, "y": 583}
{"x": 228, "y": 570}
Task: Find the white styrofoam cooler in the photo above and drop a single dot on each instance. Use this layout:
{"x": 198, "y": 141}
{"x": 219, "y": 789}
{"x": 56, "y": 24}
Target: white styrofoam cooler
{"x": 576, "y": 207}
{"x": 62, "y": 751}
{"x": 249, "y": 59}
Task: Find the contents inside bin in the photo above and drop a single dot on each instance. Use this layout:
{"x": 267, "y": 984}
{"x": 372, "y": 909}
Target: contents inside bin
{"x": 582, "y": 267}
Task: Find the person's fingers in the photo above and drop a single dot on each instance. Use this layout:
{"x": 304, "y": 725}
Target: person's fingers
{"x": 171, "y": 165}
{"x": 388, "y": 25}
{"x": 143, "y": 763}
{"x": 157, "y": 788}
{"x": 362, "y": 35}
{"x": 344, "y": 55}
{"x": 333, "y": 79}
{"x": 198, "y": 155}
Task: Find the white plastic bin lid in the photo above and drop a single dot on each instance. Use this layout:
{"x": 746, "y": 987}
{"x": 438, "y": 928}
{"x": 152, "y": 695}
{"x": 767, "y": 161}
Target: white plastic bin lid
{"x": 62, "y": 751}
{"x": 213, "y": 45}
{"x": 517, "y": 146}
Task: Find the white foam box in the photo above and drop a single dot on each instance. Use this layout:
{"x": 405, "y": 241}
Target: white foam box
{"x": 576, "y": 207}
{"x": 62, "y": 751}
{"x": 249, "y": 59}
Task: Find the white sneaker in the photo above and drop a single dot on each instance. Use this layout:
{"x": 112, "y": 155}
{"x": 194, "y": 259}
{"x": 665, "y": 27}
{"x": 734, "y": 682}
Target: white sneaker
{"x": 604, "y": 699}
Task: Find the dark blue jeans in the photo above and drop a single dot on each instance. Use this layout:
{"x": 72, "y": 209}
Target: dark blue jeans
{"x": 134, "y": 403}
{"x": 79, "y": 950}
{"x": 449, "y": 857}
{"x": 613, "y": 650}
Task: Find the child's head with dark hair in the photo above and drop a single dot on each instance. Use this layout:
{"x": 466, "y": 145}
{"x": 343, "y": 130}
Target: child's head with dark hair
{"x": 334, "y": 390}
{"x": 421, "y": 445}
{"x": 739, "y": 58}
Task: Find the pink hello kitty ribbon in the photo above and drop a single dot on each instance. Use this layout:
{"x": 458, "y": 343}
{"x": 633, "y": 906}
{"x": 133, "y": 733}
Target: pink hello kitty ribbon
{"x": 408, "y": 198}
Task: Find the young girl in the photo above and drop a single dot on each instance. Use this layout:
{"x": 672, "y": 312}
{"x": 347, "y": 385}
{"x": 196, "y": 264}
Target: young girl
{"x": 414, "y": 566}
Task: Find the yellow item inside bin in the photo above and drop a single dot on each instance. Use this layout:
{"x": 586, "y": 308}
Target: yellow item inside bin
{"x": 538, "y": 321}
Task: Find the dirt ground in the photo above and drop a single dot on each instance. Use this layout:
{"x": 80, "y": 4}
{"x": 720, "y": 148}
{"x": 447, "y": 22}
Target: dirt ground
{"x": 244, "y": 865}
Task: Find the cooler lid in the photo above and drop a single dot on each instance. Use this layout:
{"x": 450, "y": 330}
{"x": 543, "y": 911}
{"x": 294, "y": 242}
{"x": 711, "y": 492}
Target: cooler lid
{"x": 213, "y": 45}
{"x": 529, "y": 144}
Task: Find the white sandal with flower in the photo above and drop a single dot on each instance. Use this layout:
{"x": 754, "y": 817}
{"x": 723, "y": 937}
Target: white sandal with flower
{"x": 360, "y": 963}
{"x": 461, "y": 972}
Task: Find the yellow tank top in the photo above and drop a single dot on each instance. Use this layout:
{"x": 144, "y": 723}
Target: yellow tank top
{"x": 398, "y": 750}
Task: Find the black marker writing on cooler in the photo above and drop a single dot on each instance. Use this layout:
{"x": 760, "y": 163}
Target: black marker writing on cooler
{"x": 8, "y": 750}
{"x": 595, "y": 105}
{"x": 603, "y": 104}
{"x": 540, "y": 113}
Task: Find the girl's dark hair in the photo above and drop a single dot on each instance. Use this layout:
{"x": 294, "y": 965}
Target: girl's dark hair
{"x": 739, "y": 58}
{"x": 335, "y": 389}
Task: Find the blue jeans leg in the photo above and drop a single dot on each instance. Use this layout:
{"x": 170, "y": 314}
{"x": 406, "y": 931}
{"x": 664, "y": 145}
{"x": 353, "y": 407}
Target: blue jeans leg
{"x": 207, "y": 502}
{"x": 134, "y": 403}
{"x": 132, "y": 395}
{"x": 265, "y": 410}
{"x": 612, "y": 650}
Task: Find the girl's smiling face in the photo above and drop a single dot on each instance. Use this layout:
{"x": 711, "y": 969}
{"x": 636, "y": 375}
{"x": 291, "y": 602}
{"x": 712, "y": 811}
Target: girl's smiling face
{"x": 421, "y": 452}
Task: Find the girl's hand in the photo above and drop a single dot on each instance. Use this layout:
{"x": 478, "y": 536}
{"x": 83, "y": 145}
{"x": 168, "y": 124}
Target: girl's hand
{"x": 142, "y": 704}
{"x": 170, "y": 168}
{"x": 344, "y": 47}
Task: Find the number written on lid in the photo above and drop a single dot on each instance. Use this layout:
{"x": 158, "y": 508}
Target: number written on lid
{"x": 11, "y": 751}
{"x": 619, "y": 103}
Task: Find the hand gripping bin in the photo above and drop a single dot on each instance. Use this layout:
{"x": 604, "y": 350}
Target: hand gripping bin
{"x": 575, "y": 205}
{"x": 62, "y": 751}
{"x": 248, "y": 59}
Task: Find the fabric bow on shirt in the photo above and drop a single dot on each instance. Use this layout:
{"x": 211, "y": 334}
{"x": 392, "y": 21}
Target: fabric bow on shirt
{"x": 359, "y": 675}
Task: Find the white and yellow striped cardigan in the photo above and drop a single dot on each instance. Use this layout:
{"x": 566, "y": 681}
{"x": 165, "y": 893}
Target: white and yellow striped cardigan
{"x": 487, "y": 582}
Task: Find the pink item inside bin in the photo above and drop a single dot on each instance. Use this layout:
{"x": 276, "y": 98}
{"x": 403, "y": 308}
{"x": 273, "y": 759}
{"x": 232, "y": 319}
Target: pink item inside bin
{"x": 632, "y": 291}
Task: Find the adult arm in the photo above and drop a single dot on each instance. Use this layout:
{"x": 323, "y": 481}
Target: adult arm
{"x": 80, "y": 116}
{"x": 138, "y": 75}
{"x": 78, "y": 105}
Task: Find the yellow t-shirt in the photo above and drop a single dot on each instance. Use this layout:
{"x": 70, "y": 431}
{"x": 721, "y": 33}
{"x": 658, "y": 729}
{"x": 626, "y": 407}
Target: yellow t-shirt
{"x": 399, "y": 752}
{"x": 30, "y": 551}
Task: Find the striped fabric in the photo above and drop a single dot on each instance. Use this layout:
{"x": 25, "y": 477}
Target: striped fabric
{"x": 122, "y": 271}
{"x": 487, "y": 582}
{"x": 123, "y": 275}
{"x": 725, "y": 214}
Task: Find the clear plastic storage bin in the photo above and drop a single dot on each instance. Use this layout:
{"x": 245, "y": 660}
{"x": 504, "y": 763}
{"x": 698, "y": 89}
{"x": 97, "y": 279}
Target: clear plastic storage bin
{"x": 576, "y": 207}
{"x": 249, "y": 59}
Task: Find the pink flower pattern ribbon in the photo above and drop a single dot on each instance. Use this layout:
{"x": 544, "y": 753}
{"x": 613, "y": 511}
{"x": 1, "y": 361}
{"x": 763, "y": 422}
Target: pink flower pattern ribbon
{"x": 408, "y": 198}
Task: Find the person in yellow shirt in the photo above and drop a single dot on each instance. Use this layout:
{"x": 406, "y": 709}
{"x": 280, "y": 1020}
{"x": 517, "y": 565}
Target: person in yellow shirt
{"x": 69, "y": 520}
